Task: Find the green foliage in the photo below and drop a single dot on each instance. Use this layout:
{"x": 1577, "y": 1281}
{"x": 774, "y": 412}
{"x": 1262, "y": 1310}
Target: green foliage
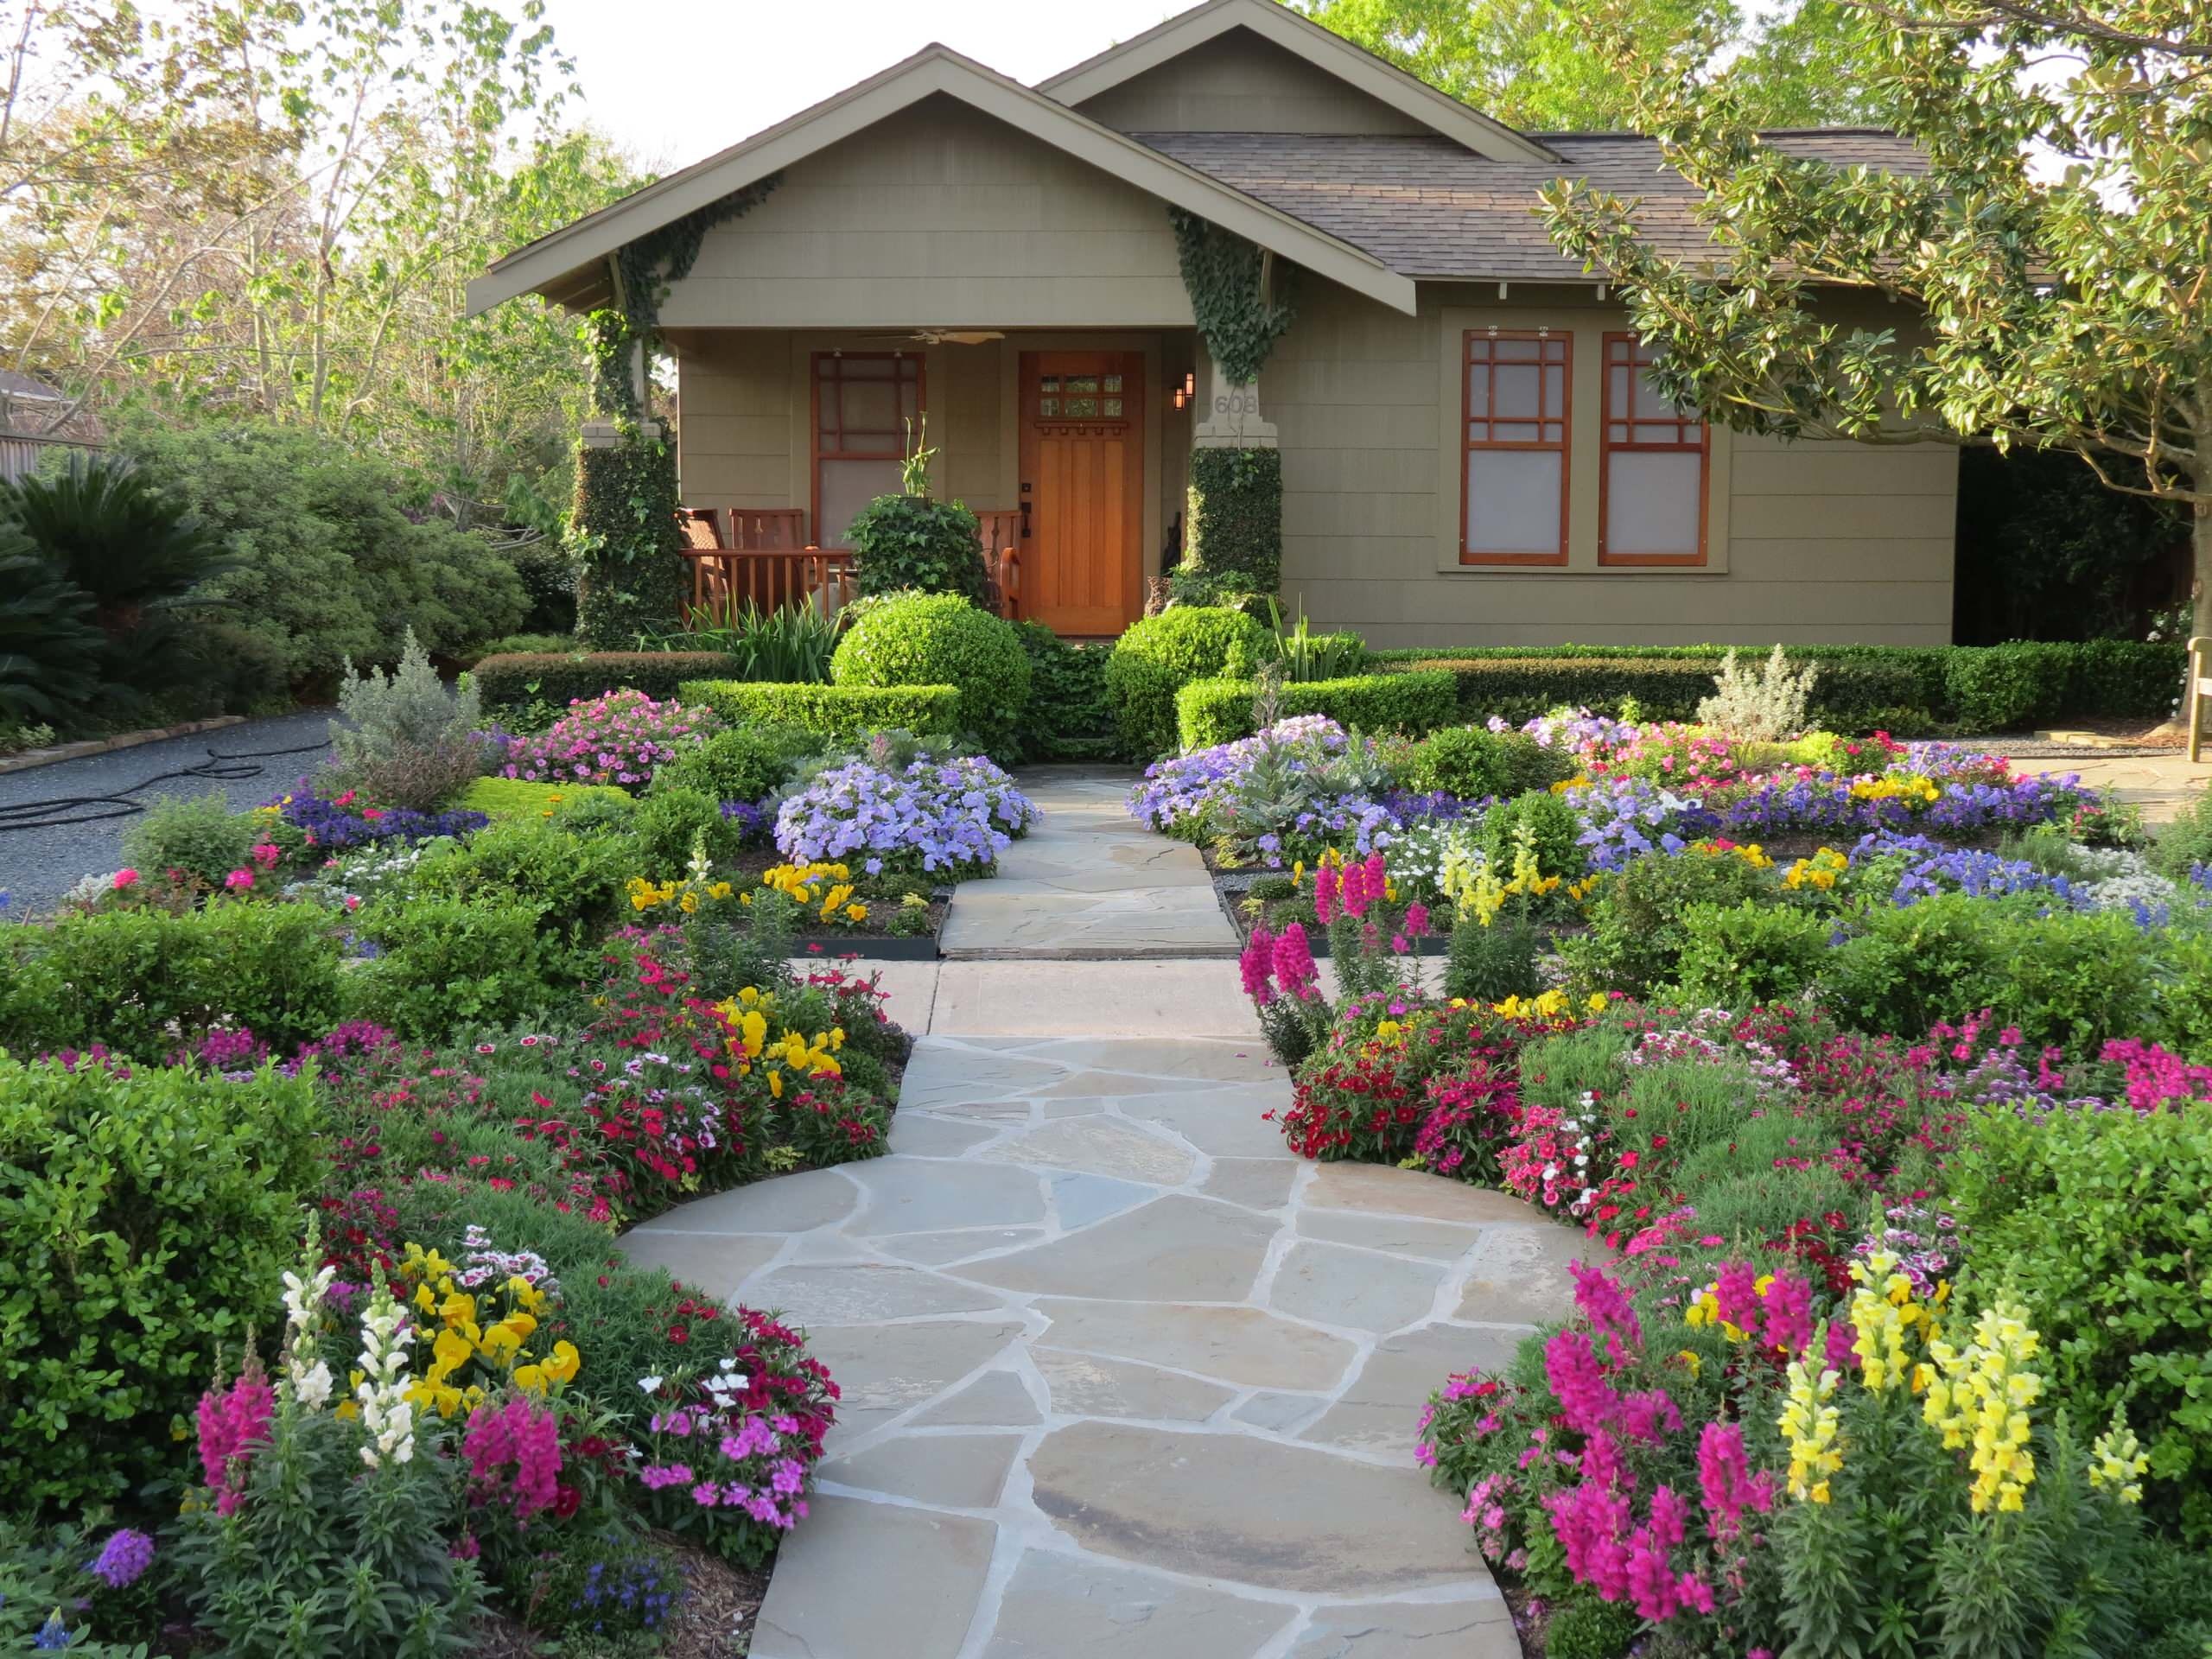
{"x": 514, "y": 681}
{"x": 444, "y": 965}
{"x": 1298, "y": 654}
{"x": 322, "y": 561}
{"x": 942, "y": 639}
{"x": 670, "y": 821}
{"x": 1490, "y": 964}
{"x": 1583, "y": 1627}
{"x": 516, "y": 798}
{"x": 794, "y": 642}
{"x": 834, "y": 713}
{"x": 1240, "y": 317}
{"x": 145, "y": 984}
{"x": 632, "y": 579}
{"x": 2100, "y": 1223}
{"x": 1534, "y": 68}
{"x": 1473, "y": 762}
{"x": 1157, "y": 656}
{"x": 2002, "y": 687}
{"x": 402, "y": 740}
{"x": 45, "y": 1580}
{"x": 1220, "y": 710}
{"x": 144, "y": 1213}
{"x": 1551, "y": 823}
{"x": 49, "y": 650}
{"x": 746, "y": 763}
{"x": 324, "y": 1558}
{"x": 1068, "y": 716}
{"x": 571, "y": 878}
{"x": 2187, "y": 840}
{"x": 1753, "y": 953}
{"x": 910, "y": 543}
{"x": 197, "y": 834}
{"x": 1639, "y": 919}
{"x": 1235, "y": 534}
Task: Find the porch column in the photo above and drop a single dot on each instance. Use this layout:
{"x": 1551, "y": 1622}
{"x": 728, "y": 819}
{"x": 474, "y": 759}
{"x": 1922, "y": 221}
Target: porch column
{"x": 1230, "y": 412}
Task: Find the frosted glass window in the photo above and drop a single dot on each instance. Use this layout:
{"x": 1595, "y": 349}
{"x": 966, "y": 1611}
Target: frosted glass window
{"x": 862, "y": 404}
{"x": 1652, "y": 501}
{"x": 1515, "y": 394}
{"x": 1513, "y": 501}
{"x": 1657, "y": 459}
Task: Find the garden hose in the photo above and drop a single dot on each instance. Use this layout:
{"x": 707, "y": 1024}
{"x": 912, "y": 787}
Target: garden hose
{"x": 58, "y": 812}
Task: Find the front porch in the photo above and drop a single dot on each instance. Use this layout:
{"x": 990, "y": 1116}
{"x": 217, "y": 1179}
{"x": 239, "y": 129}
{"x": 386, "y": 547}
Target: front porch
{"x": 1071, "y": 447}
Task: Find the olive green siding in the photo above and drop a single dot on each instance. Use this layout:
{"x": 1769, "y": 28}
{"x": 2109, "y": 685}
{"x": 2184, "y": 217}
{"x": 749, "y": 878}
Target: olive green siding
{"x": 1240, "y": 83}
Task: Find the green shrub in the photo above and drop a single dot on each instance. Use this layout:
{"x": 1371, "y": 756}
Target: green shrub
{"x": 572, "y": 879}
{"x": 669, "y": 824}
{"x": 1473, "y": 763}
{"x": 446, "y": 964}
{"x": 1555, "y": 829}
{"x": 1753, "y": 953}
{"x": 197, "y": 834}
{"x": 1638, "y": 926}
{"x": 135, "y": 979}
{"x": 1488, "y": 964}
{"x": 1211, "y": 711}
{"x": 793, "y": 642}
{"x": 2187, "y": 840}
{"x": 910, "y": 543}
{"x": 143, "y": 1218}
{"x": 2003, "y": 688}
{"x": 516, "y": 797}
{"x": 942, "y": 639}
{"x": 48, "y": 647}
{"x": 747, "y": 763}
{"x": 325, "y": 563}
{"x": 2182, "y": 1019}
{"x": 2100, "y": 1223}
{"x": 1235, "y": 517}
{"x": 515, "y": 681}
{"x": 1157, "y": 657}
{"x": 1068, "y": 716}
{"x": 403, "y": 740}
{"x": 835, "y": 714}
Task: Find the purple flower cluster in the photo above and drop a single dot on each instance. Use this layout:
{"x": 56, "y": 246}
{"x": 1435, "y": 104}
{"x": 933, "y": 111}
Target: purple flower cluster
{"x": 1176, "y": 792}
{"x": 934, "y": 816}
{"x": 1930, "y": 868}
{"x": 1626, "y": 818}
{"x": 750, "y": 820}
{"x": 344, "y": 821}
{"x": 618, "y": 739}
{"x": 1824, "y": 802}
{"x": 122, "y": 1560}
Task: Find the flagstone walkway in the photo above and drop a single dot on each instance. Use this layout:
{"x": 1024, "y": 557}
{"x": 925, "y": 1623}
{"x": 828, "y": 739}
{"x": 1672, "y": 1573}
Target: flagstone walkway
{"x": 1121, "y": 1377}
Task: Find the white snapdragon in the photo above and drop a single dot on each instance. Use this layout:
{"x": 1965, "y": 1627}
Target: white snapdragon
{"x": 386, "y": 1414}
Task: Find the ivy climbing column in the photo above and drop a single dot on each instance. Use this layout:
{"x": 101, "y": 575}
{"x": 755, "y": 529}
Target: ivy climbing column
{"x": 622, "y": 532}
{"x": 1241, "y": 302}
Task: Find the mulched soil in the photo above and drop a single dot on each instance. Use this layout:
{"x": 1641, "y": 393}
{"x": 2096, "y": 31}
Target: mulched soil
{"x": 721, "y": 1605}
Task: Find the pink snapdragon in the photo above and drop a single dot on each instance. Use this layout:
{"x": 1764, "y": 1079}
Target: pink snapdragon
{"x": 125, "y": 878}
{"x": 1294, "y": 967}
{"x": 232, "y": 1423}
{"x": 1255, "y": 965}
{"x": 524, "y": 1435}
{"x": 1725, "y": 1480}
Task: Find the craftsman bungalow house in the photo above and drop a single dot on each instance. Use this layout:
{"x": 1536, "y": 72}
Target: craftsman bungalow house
{"x": 1469, "y": 455}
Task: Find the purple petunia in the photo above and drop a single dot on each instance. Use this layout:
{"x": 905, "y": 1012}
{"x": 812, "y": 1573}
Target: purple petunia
{"x": 123, "y": 1559}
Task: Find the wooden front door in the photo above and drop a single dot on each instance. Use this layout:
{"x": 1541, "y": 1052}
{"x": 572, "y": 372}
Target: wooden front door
{"x": 1081, "y": 489}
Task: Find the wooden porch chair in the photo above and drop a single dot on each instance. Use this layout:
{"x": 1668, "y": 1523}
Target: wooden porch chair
{"x": 1001, "y": 535}
{"x": 2196, "y": 691}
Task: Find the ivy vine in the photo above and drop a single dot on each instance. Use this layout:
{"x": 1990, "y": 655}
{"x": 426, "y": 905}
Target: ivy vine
{"x": 1221, "y": 273}
{"x": 645, "y": 270}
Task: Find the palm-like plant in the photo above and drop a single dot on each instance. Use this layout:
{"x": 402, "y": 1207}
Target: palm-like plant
{"x": 49, "y": 650}
{"x": 104, "y": 528}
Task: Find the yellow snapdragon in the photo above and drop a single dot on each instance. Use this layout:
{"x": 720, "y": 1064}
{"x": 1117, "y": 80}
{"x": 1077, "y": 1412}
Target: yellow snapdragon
{"x": 1979, "y": 1397}
{"x": 2118, "y": 1462}
{"x": 1810, "y": 1425}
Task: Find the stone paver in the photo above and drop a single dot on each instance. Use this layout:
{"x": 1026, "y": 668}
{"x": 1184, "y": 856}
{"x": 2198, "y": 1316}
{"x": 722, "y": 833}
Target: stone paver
{"x": 1123, "y": 1378}
{"x": 2160, "y": 786}
{"x": 1089, "y": 883}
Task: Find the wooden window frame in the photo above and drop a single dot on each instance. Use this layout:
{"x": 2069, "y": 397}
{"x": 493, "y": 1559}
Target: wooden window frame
{"x": 817, "y": 454}
{"x": 1564, "y": 447}
{"x": 1702, "y": 448}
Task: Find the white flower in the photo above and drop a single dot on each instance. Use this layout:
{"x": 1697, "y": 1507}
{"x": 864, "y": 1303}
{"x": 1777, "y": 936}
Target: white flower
{"x": 386, "y": 1413}
{"x": 650, "y": 1384}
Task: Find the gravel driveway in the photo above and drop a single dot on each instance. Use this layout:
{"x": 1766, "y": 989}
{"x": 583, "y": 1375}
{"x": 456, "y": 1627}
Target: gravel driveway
{"x": 37, "y": 866}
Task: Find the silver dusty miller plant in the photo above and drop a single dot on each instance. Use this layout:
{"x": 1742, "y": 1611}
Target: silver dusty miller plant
{"x": 1761, "y": 705}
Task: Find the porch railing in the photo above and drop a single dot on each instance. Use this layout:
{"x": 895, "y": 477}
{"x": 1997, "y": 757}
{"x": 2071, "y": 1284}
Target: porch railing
{"x": 760, "y": 555}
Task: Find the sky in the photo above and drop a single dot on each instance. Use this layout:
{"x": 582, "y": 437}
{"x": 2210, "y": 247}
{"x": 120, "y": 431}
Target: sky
{"x": 676, "y": 80}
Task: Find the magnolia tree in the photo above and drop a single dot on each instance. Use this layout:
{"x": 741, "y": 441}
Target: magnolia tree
{"x": 2057, "y": 241}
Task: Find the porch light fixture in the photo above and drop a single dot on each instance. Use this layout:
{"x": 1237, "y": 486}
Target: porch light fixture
{"x": 1181, "y": 398}
{"x": 1190, "y": 384}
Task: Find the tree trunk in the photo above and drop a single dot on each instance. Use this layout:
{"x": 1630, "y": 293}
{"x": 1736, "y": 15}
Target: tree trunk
{"x": 2200, "y": 528}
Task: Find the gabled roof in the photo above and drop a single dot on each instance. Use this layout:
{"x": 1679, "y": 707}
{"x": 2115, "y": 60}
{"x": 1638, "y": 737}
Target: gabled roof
{"x": 568, "y": 264}
{"x": 1426, "y": 208}
{"x": 1442, "y": 114}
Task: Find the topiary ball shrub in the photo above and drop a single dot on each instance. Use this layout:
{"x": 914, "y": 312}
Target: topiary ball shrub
{"x": 748, "y": 762}
{"x": 942, "y": 639}
{"x": 910, "y": 543}
{"x": 1472, "y": 763}
{"x": 1556, "y": 829}
{"x": 1160, "y": 655}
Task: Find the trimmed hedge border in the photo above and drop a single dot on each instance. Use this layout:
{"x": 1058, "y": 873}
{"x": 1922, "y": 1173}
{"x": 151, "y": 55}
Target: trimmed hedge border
{"x": 1972, "y": 688}
{"x": 837, "y": 712}
{"x": 562, "y": 677}
{"x": 1213, "y": 711}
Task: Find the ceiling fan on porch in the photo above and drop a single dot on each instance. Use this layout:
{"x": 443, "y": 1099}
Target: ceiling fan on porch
{"x": 941, "y": 336}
